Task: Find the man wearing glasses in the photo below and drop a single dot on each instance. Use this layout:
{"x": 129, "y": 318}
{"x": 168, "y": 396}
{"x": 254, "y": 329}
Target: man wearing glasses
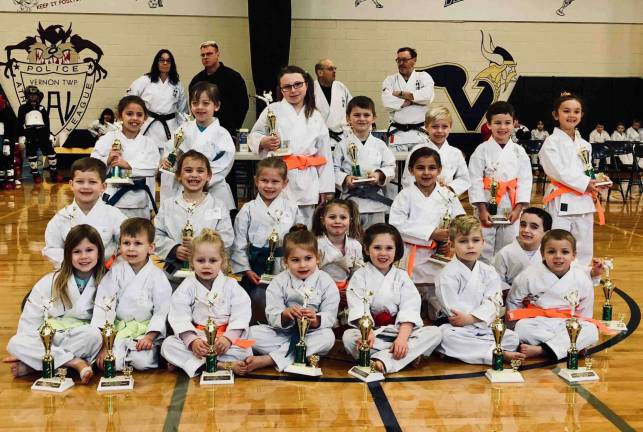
{"x": 406, "y": 95}
{"x": 331, "y": 98}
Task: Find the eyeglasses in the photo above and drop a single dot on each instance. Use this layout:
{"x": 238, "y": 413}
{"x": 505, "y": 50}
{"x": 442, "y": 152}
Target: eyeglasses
{"x": 293, "y": 86}
{"x": 166, "y": 61}
{"x": 403, "y": 60}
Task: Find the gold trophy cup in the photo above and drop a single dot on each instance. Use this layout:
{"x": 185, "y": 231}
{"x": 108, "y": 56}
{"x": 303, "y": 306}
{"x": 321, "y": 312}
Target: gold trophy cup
{"x": 269, "y": 270}
{"x": 47, "y": 334}
{"x": 110, "y": 381}
{"x": 187, "y": 233}
{"x": 356, "y": 171}
{"x": 48, "y": 382}
{"x": 498, "y": 373}
{"x": 493, "y": 202}
{"x": 118, "y": 175}
{"x": 300, "y": 366}
{"x": 179, "y": 137}
{"x": 212, "y": 375}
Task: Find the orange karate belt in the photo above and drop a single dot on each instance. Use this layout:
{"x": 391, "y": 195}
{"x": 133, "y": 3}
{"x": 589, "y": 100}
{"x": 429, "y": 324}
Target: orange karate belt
{"x": 410, "y": 263}
{"x": 243, "y": 343}
{"x": 341, "y": 287}
{"x": 561, "y": 189}
{"x": 532, "y": 311}
{"x": 302, "y": 162}
{"x": 110, "y": 262}
{"x": 503, "y": 187}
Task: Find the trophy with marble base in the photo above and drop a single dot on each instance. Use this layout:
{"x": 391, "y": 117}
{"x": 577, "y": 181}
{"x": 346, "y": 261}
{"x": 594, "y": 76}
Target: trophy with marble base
{"x": 110, "y": 381}
{"x": 187, "y": 233}
{"x": 268, "y": 274}
{"x": 48, "y": 382}
{"x": 271, "y": 119}
{"x": 437, "y": 257}
{"x": 118, "y": 175}
{"x": 179, "y": 137}
{"x": 211, "y": 375}
{"x": 502, "y": 219}
{"x": 573, "y": 373}
{"x": 498, "y": 373}
{"x": 364, "y": 370}
{"x": 608, "y": 310}
{"x": 300, "y": 367}
{"x": 356, "y": 170}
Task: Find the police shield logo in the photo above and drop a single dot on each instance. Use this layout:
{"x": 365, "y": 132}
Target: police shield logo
{"x": 63, "y": 65}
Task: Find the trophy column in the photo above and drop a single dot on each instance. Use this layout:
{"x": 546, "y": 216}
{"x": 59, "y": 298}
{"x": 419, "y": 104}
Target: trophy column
{"x": 498, "y": 373}
{"x": 110, "y": 381}
{"x": 212, "y": 375}
{"x": 48, "y": 382}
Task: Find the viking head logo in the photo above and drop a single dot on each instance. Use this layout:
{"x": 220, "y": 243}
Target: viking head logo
{"x": 502, "y": 67}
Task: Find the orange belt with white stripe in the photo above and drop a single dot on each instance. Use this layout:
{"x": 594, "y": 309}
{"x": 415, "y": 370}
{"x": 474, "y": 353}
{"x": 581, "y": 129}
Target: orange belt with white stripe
{"x": 503, "y": 187}
{"x": 243, "y": 343}
{"x": 302, "y": 162}
{"x": 561, "y": 189}
{"x": 341, "y": 287}
{"x": 532, "y": 311}
{"x": 410, "y": 263}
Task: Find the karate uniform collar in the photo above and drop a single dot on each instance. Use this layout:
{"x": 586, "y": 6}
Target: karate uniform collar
{"x": 310, "y": 282}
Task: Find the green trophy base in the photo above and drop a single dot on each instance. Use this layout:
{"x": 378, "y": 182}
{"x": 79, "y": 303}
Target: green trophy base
{"x": 493, "y": 209}
{"x": 220, "y": 377}
{"x": 364, "y": 359}
{"x": 171, "y": 158}
{"x": 504, "y": 376}
{"x": 607, "y": 312}
{"x": 497, "y": 362}
{"x": 211, "y": 363}
{"x": 300, "y": 353}
{"x": 110, "y": 368}
{"x": 52, "y": 385}
{"x": 270, "y": 266}
{"x": 572, "y": 360}
{"x": 48, "y": 368}
{"x": 578, "y": 375}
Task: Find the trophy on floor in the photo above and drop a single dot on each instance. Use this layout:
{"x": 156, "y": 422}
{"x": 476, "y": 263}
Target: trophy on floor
{"x": 110, "y": 381}
{"x": 608, "y": 290}
{"x": 271, "y": 119}
{"x": 212, "y": 375}
{"x": 187, "y": 234}
{"x": 118, "y": 175}
{"x": 269, "y": 270}
{"x": 179, "y": 137}
{"x": 364, "y": 370}
{"x": 498, "y": 373}
{"x": 303, "y": 324}
{"x": 438, "y": 257}
{"x": 49, "y": 382}
{"x": 573, "y": 373}
{"x": 356, "y": 170}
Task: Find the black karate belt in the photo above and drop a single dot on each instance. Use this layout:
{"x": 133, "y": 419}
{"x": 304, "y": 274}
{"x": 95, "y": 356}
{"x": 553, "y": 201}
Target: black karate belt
{"x": 161, "y": 118}
{"x": 400, "y": 127}
{"x": 369, "y": 192}
{"x": 334, "y": 135}
{"x": 139, "y": 184}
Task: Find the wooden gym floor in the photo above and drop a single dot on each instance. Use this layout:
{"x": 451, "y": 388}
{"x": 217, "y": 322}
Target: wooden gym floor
{"x": 440, "y": 395}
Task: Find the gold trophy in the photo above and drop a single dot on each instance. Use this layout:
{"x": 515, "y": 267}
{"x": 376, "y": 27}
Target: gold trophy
{"x": 212, "y": 375}
{"x": 585, "y": 157}
{"x": 110, "y": 381}
{"x": 493, "y": 202}
{"x": 364, "y": 370}
{"x": 437, "y": 257}
{"x": 48, "y": 382}
{"x": 356, "y": 170}
{"x": 303, "y": 324}
{"x": 608, "y": 290}
{"x": 187, "y": 234}
{"x": 268, "y": 274}
{"x": 271, "y": 119}
{"x": 118, "y": 175}
{"x": 573, "y": 373}
{"x": 498, "y": 373}
{"x": 179, "y": 137}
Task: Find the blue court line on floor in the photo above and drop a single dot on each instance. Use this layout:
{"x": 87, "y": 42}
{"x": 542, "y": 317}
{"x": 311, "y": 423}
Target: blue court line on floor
{"x": 384, "y": 407}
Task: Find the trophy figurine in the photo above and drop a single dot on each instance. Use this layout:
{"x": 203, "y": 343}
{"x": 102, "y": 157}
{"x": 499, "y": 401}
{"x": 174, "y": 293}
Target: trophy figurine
{"x": 438, "y": 257}
{"x": 268, "y": 274}
{"x": 574, "y": 373}
{"x": 271, "y": 119}
{"x": 179, "y": 137}
{"x": 583, "y": 154}
{"x": 303, "y": 324}
{"x": 212, "y": 375}
{"x": 187, "y": 233}
{"x": 110, "y": 381}
{"x": 498, "y": 373}
{"x": 364, "y": 370}
{"x": 118, "y": 175}
{"x": 493, "y": 202}
{"x": 48, "y": 382}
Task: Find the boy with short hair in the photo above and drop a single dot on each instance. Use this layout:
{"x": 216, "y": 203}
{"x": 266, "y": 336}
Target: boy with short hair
{"x": 599, "y": 135}
{"x": 525, "y": 249}
{"x": 88, "y": 185}
{"x": 546, "y": 285}
{"x": 499, "y": 162}
{"x": 633, "y": 132}
{"x": 455, "y": 174}
{"x": 135, "y": 297}
{"x": 465, "y": 289}
{"x": 374, "y": 158}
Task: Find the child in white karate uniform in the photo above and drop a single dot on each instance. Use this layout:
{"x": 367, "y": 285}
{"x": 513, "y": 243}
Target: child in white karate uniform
{"x": 524, "y": 251}
{"x": 301, "y": 291}
{"x": 599, "y": 135}
{"x": 139, "y": 155}
{"x": 465, "y": 289}
{"x": 257, "y": 220}
{"x": 545, "y": 286}
{"x": 64, "y": 298}
{"x": 301, "y": 128}
{"x": 387, "y": 295}
{"x": 572, "y": 196}
{"x": 194, "y": 205}
{"x": 337, "y": 227}
{"x": 208, "y": 294}
{"x": 374, "y": 159}
{"x": 499, "y": 160}
{"x": 539, "y": 133}
{"x": 133, "y": 297}
{"x": 455, "y": 174}
{"x": 619, "y": 134}
{"x": 87, "y": 184}
{"x": 205, "y": 135}
{"x": 418, "y": 213}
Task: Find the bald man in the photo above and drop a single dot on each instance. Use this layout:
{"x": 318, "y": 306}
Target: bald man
{"x": 331, "y": 98}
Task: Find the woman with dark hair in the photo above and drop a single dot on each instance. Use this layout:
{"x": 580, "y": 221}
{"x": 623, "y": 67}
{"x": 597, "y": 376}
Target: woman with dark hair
{"x": 164, "y": 98}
